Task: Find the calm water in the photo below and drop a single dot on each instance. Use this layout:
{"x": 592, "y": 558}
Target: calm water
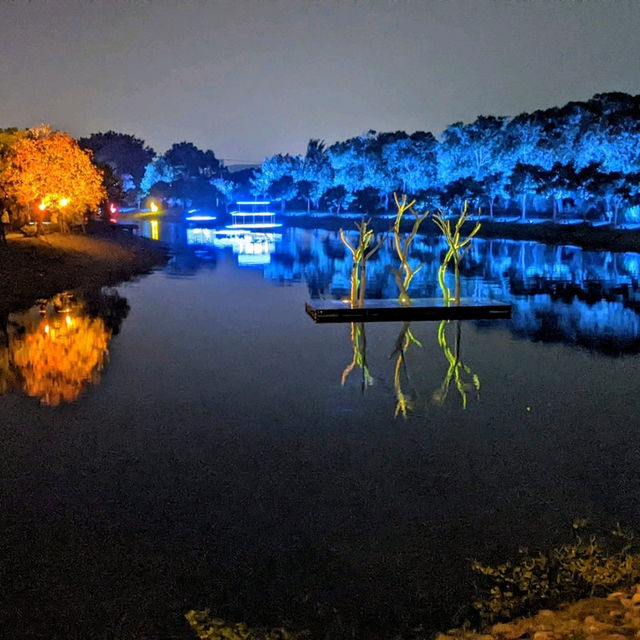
{"x": 209, "y": 447}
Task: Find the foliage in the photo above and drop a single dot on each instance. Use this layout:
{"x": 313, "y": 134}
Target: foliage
{"x": 188, "y": 161}
{"x": 156, "y": 171}
{"x": 497, "y": 160}
{"x": 124, "y": 153}
{"x": 402, "y": 243}
{"x": 209, "y": 628}
{"x": 49, "y": 168}
{"x": 590, "y": 565}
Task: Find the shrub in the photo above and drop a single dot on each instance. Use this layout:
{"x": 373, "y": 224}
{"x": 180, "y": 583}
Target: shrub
{"x": 589, "y": 566}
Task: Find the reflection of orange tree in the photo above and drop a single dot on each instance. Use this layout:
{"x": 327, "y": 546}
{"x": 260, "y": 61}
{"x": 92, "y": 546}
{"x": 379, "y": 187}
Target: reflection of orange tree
{"x": 59, "y": 351}
{"x": 456, "y": 370}
{"x": 7, "y": 374}
{"x": 359, "y": 342}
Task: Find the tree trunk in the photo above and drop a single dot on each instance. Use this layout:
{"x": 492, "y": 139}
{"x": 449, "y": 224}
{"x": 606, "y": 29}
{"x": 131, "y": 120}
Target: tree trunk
{"x": 524, "y": 206}
{"x": 363, "y": 282}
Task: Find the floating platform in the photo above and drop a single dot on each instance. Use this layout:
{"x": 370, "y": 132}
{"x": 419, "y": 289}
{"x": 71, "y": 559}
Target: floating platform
{"x": 393, "y": 311}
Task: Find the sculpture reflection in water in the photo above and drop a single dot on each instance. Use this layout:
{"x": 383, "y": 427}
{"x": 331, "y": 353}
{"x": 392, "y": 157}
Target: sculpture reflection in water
{"x": 405, "y": 402}
{"x": 359, "y": 359}
{"x": 56, "y": 349}
{"x": 457, "y": 371}
{"x": 408, "y": 395}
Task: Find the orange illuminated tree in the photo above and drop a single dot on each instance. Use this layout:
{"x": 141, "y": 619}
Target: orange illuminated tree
{"x": 51, "y": 175}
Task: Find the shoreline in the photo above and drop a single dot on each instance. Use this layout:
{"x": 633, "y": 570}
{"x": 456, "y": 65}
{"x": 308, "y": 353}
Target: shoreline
{"x": 35, "y": 268}
{"x": 579, "y": 234}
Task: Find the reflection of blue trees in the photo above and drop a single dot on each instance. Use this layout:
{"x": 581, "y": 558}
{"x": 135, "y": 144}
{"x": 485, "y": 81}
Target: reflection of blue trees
{"x": 559, "y": 293}
{"x": 582, "y": 159}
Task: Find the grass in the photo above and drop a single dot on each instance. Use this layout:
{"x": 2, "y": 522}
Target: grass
{"x": 34, "y": 268}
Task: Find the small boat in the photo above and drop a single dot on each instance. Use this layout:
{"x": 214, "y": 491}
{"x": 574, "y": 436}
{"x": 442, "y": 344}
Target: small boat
{"x": 253, "y": 214}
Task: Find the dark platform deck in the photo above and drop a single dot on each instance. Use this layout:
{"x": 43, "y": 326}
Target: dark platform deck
{"x": 420, "y": 309}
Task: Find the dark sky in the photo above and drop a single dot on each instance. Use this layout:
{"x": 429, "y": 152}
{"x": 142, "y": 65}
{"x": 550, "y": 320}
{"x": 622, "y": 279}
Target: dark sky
{"x": 254, "y": 78}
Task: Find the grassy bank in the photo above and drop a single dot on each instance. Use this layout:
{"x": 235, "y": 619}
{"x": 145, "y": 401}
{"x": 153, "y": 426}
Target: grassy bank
{"x": 34, "y": 268}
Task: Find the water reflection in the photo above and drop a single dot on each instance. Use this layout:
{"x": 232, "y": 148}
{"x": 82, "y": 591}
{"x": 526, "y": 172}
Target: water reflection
{"x": 558, "y": 293}
{"x": 411, "y": 380}
{"x": 461, "y": 374}
{"x": 59, "y": 347}
{"x": 251, "y": 248}
{"x": 359, "y": 358}
{"x": 405, "y": 401}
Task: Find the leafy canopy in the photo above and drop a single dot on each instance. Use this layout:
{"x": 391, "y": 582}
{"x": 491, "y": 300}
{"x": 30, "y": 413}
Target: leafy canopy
{"x": 48, "y": 167}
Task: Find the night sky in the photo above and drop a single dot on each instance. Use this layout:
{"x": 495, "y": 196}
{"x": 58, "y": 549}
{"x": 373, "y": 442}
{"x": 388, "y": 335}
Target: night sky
{"x": 250, "y": 79}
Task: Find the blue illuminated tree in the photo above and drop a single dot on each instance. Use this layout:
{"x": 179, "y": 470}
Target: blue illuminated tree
{"x": 313, "y": 174}
{"x": 523, "y": 182}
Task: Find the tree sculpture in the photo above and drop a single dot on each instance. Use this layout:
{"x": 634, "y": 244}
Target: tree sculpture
{"x": 361, "y": 253}
{"x": 457, "y": 250}
{"x": 49, "y": 173}
{"x": 405, "y": 273}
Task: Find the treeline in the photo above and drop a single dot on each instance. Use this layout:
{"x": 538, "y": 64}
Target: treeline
{"x": 580, "y": 159}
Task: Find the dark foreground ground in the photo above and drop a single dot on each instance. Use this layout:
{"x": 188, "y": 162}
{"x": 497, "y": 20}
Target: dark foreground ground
{"x": 33, "y": 268}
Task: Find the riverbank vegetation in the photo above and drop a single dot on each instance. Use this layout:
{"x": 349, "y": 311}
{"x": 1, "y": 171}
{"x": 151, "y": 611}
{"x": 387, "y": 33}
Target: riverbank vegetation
{"x": 579, "y": 162}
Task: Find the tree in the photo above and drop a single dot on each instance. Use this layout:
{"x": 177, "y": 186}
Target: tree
{"x": 525, "y": 179}
{"x": 50, "y": 173}
{"x": 124, "y": 153}
{"x": 411, "y": 162}
{"x": 274, "y": 178}
{"x": 156, "y": 171}
{"x": 8, "y": 138}
{"x": 193, "y": 171}
{"x": 187, "y": 161}
{"x": 225, "y": 189}
{"x": 338, "y": 198}
{"x": 312, "y": 173}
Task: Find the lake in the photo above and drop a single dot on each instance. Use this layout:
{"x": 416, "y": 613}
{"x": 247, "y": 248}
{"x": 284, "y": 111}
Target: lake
{"x": 210, "y": 446}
